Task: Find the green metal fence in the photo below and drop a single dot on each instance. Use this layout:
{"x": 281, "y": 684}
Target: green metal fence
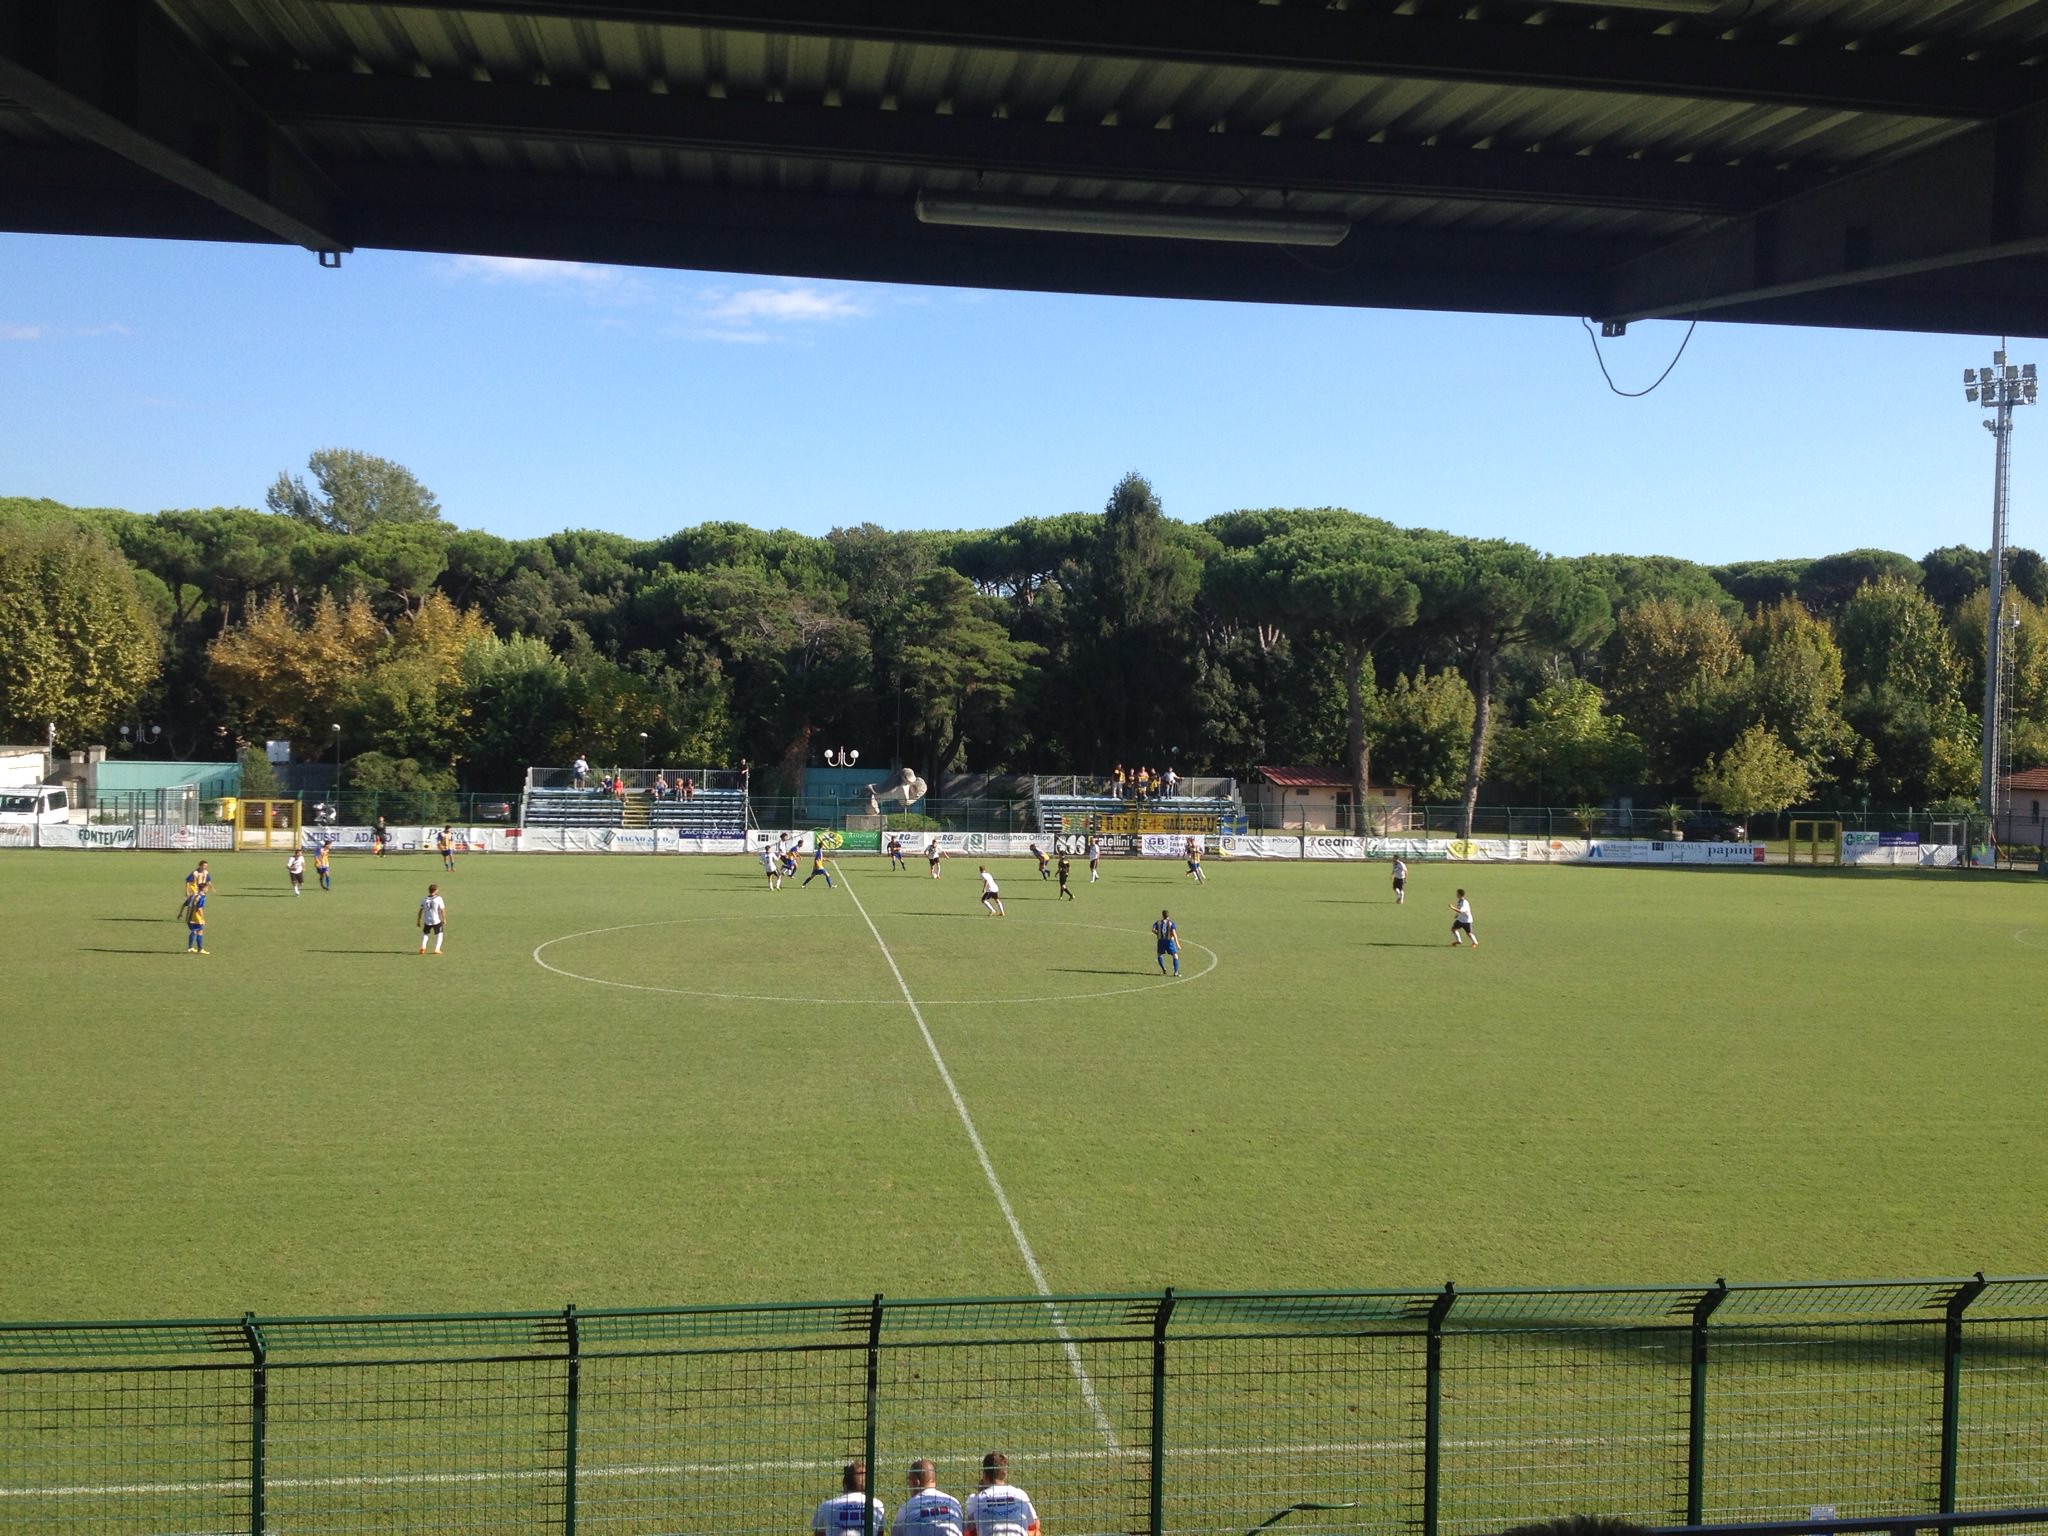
{"x": 1205, "y": 1414}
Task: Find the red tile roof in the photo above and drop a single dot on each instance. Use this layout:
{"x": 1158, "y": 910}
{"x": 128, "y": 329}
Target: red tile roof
{"x": 1306, "y": 778}
{"x": 2028, "y": 778}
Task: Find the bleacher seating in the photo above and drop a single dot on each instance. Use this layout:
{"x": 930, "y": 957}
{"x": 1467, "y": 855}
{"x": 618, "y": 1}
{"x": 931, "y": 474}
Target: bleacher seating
{"x": 573, "y": 808}
{"x": 707, "y": 813}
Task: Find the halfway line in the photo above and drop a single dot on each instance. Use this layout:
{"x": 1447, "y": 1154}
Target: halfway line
{"x": 989, "y": 1169}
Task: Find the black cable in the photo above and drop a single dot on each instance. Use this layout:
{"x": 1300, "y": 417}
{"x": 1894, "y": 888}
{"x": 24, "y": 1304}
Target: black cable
{"x": 1637, "y": 394}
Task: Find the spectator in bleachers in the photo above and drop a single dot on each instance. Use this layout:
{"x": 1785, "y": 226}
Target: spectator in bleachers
{"x": 1144, "y": 784}
{"x": 1171, "y": 783}
{"x": 1117, "y": 781}
{"x": 660, "y": 785}
{"x": 689, "y": 789}
{"x": 579, "y": 774}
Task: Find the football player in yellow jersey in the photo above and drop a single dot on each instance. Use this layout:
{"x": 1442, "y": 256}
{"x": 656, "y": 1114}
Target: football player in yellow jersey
{"x": 197, "y": 883}
{"x": 322, "y": 868}
{"x": 195, "y": 925}
{"x": 444, "y": 841}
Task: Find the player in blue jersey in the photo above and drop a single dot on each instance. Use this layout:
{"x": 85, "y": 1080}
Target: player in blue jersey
{"x": 818, "y": 866}
{"x": 195, "y": 924}
{"x": 1168, "y": 935}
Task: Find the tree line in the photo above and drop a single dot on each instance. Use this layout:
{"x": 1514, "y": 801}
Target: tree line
{"x": 1068, "y": 643}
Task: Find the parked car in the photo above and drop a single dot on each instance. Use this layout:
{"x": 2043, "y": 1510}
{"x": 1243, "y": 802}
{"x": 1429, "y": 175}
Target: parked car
{"x": 1709, "y": 827}
{"x": 494, "y": 810}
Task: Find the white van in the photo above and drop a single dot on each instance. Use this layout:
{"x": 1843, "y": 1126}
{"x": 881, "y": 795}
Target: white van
{"x": 27, "y": 804}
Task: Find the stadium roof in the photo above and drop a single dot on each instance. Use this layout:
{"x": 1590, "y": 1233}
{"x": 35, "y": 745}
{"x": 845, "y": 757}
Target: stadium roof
{"x": 1874, "y": 163}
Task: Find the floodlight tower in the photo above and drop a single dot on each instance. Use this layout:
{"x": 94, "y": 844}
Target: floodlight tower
{"x": 1998, "y": 388}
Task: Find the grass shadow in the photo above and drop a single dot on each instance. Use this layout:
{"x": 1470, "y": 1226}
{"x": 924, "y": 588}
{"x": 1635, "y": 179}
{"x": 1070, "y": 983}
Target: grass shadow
{"x": 102, "y": 949}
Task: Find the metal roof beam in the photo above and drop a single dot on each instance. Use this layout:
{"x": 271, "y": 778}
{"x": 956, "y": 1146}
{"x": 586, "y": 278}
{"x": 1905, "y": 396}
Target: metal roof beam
{"x": 1568, "y": 53}
{"x": 1014, "y": 146}
{"x": 569, "y": 218}
{"x": 119, "y": 75}
{"x": 1976, "y": 198}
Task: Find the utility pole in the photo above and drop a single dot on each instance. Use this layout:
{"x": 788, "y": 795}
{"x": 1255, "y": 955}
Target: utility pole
{"x": 1998, "y": 389}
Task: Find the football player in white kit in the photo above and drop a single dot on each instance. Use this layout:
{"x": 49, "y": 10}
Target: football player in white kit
{"x": 996, "y": 1508}
{"x": 990, "y": 896}
{"x": 433, "y": 918}
{"x": 927, "y": 1512}
{"x": 846, "y": 1514}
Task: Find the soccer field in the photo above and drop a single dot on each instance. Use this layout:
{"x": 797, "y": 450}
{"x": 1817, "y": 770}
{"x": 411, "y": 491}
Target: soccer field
{"x": 654, "y": 1081}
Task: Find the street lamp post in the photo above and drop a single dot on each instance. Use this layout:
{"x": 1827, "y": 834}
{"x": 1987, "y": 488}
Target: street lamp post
{"x": 1998, "y": 389}
{"x": 643, "y": 754}
{"x": 336, "y": 728}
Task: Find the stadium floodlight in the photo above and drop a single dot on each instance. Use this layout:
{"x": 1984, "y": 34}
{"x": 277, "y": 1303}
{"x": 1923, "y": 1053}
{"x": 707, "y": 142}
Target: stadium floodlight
{"x": 1998, "y": 389}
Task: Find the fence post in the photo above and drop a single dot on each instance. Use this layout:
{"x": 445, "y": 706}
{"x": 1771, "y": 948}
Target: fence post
{"x": 259, "y": 1416}
{"x": 874, "y": 1389}
{"x": 1433, "y": 1407}
{"x": 1952, "y": 1384}
{"x": 575, "y": 1394}
{"x": 1157, "y": 1522}
{"x": 1696, "y": 1427}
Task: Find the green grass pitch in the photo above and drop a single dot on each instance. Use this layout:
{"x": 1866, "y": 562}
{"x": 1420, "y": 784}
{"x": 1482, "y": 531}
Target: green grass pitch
{"x": 713, "y": 1092}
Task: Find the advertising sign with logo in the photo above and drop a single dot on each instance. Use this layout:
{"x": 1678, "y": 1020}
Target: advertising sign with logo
{"x": 1254, "y": 847}
{"x": 1333, "y": 848}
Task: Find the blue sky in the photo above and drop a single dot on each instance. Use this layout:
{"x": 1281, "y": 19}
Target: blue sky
{"x": 533, "y": 397}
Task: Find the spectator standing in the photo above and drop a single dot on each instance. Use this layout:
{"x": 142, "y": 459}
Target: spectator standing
{"x": 927, "y": 1512}
{"x": 1170, "y": 783}
{"x": 846, "y": 1514}
{"x": 579, "y": 772}
{"x": 996, "y": 1508}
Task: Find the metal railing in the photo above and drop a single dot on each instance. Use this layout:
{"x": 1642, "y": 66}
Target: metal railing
{"x": 1424, "y": 1412}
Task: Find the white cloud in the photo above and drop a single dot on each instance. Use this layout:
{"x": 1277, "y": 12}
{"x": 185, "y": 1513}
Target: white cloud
{"x": 58, "y": 333}
{"x": 563, "y": 276}
{"x": 801, "y": 304}
{"x": 757, "y": 314}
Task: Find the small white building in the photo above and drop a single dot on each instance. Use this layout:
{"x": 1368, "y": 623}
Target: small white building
{"x": 2023, "y": 817}
{"x": 1319, "y": 800}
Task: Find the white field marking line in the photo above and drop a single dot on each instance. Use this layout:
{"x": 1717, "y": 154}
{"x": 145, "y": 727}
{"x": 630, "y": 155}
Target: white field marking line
{"x": 671, "y": 1469}
{"x": 2020, "y": 938}
{"x": 831, "y": 1002}
{"x": 988, "y": 1169}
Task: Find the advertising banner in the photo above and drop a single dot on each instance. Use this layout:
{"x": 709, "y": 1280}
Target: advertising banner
{"x": 64, "y": 834}
{"x": 1650, "y": 851}
{"x": 1891, "y": 850}
{"x": 1333, "y": 847}
{"x": 1259, "y": 847}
